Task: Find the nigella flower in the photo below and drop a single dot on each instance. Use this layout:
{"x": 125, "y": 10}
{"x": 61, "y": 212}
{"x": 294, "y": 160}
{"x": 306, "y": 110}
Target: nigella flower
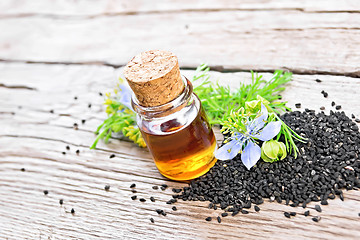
{"x": 245, "y": 144}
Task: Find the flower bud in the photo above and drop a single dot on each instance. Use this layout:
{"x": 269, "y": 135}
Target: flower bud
{"x": 272, "y": 151}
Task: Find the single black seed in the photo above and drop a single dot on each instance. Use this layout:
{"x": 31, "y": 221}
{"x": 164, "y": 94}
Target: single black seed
{"x": 133, "y": 185}
{"x": 256, "y": 208}
{"x": 235, "y": 212}
{"x": 357, "y": 120}
{"x": 318, "y": 208}
{"x": 293, "y": 214}
{"x": 162, "y": 188}
{"x": 152, "y": 199}
{"x": 100, "y": 94}
{"x": 89, "y": 105}
{"x": 107, "y": 187}
{"x": 164, "y": 185}
{"x": 293, "y": 205}
{"x": 51, "y": 111}
{"x": 359, "y": 214}
{"x": 61, "y": 201}
{"x": 163, "y": 213}
{"x": 63, "y": 153}
{"x": 75, "y": 98}
{"x": 341, "y": 196}
{"x": 22, "y": 169}
{"x": 152, "y": 220}
{"x": 176, "y": 190}
{"x": 286, "y": 214}
{"x": 322, "y": 108}
{"x": 76, "y": 126}
{"x": 338, "y": 107}
{"x": 83, "y": 121}
{"x": 325, "y": 94}
{"x": 324, "y": 202}
{"x": 352, "y": 116}
{"x": 298, "y": 105}
{"x": 46, "y": 192}
{"x": 219, "y": 219}
{"x": 316, "y": 219}
{"x": 77, "y": 151}
{"x": 333, "y": 103}
{"x": 318, "y": 80}
{"x": 208, "y": 219}
{"x": 155, "y": 187}
{"x": 142, "y": 200}
{"x": 244, "y": 211}
{"x": 225, "y": 214}
{"x": 307, "y": 213}
{"x": 174, "y": 208}
{"x": 134, "y": 197}
{"x": 72, "y": 211}
{"x": 159, "y": 211}
{"x": 67, "y": 147}
{"x": 133, "y": 191}
{"x": 112, "y": 156}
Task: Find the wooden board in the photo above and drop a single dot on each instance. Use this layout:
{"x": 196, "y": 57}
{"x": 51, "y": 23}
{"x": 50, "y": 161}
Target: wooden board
{"x": 33, "y": 138}
{"x": 322, "y": 38}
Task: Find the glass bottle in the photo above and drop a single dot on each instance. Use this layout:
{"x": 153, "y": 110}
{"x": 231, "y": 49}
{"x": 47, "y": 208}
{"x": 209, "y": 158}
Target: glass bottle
{"x": 178, "y": 135}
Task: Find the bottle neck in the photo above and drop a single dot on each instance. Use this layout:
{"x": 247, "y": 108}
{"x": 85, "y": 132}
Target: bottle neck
{"x": 168, "y": 108}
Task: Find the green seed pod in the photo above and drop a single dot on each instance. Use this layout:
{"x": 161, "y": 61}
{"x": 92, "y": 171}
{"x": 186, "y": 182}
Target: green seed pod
{"x": 272, "y": 151}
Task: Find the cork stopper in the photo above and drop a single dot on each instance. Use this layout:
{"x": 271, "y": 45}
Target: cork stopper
{"x": 155, "y": 78}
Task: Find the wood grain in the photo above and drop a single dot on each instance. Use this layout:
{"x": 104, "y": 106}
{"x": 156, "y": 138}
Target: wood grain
{"x": 33, "y": 138}
{"x": 305, "y": 42}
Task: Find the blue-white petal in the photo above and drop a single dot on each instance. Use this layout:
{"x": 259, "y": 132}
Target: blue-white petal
{"x": 229, "y": 150}
{"x": 125, "y": 96}
{"x": 258, "y": 122}
{"x": 269, "y": 131}
{"x": 251, "y": 154}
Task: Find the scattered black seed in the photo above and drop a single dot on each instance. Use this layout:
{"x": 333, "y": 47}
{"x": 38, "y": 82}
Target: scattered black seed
{"x": 244, "y": 211}
{"x": 174, "y": 208}
{"x": 235, "y": 212}
{"x": 46, "y": 192}
{"x": 162, "y": 188}
{"x": 100, "y": 94}
{"x": 318, "y": 208}
{"x": 107, "y": 187}
{"x": 225, "y": 214}
{"x": 219, "y": 219}
{"x": 352, "y": 116}
{"x": 89, "y": 105}
{"x": 133, "y": 185}
{"x": 286, "y": 214}
{"x": 316, "y": 219}
{"x": 22, "y": 169}
{"x": 75, "y": 98}
{"x": 324, "y": 202}
{"x": 298, "y": 105}
{"x": 333, "y": 103}
{"x": 159, "y": 211}
{"x": 155, "y": 187}
{"x": 325, "y": 94}
{"x": 318, "y": 80}
{"x": 327, "y": 164}
{"x": 341, "y": 196}
{"x": 73, "y": 211}
{"x": 76, "y": 126}
{"x": 152, "y": 199}
{"x": 359, "y": 214}
{"x": 112, "y": 156}
{"x": 134, "y": 197}
{"x": 152, "y": 220}
{"x": 51, "y": 111}
{"x": 83, "y": 121}
{"x": 256, "y": 208}
{"x": 142, "y": 200}
{"x": 61, "y": 201}
{"x": 208, "y": 219}
{"x": 357, "y": 120}
{"x": 293, "y": 205}
{"x": 133, "y": 191}
{"x": 63, "y": 153}
{"x": 338, "y": 107}
{"x": 164, "y": 185}
{"x": 293, "y": 214}
{"x": 307, "y": 213}
{"x": 176, "y": 190}
{"x": 322, "y": 108}
{"x": 67, "y": 147}
{"x": 77, "y": 151}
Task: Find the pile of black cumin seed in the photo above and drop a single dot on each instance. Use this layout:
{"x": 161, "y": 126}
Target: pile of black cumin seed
{"x": 329, "y": 163}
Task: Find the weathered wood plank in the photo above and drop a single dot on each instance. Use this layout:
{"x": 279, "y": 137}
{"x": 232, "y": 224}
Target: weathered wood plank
{"x": 242, "y": 40}
{"x": 111, "y": 7}
{"x": 34, "y": 138}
